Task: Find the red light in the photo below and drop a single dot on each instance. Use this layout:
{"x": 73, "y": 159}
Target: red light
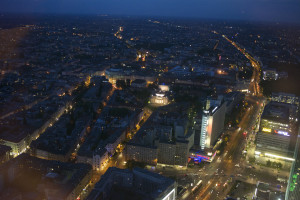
{"x": 205, "y": 157}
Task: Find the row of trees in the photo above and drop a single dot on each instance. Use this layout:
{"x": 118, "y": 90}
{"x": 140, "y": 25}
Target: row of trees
{"x": 274, "y": 164}
{"x": 130, "y": 164}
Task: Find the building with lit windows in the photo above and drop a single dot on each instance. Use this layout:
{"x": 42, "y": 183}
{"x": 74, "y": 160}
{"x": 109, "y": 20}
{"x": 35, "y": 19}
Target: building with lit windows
{"x": 173, "y": 153}
{"x": 276, "y": 138}
{"x": 114, "y": 74}
{"x": 212, "y": 125}
{"x": 133, "y": 184}
{"x": 164, "y": 139}
{"x": 270, "y": 74}
{"x": 163, "y": 87}
{"x": 17, "y": 144}
{"x": 141, "y": 153}
{"x": 285, "y": 98}
{"x": 159, "y": 98}
{"x": 163, "y": 152}
{"x": 275, "y": 117}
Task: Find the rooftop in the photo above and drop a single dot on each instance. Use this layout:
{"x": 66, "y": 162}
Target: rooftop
{"x": 57, "y": 176}
{"x": 276, "y": 112}
{"x": 159, "y": 183}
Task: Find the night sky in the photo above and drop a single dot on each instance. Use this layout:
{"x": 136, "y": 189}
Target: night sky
{"x": 261, "y": 10}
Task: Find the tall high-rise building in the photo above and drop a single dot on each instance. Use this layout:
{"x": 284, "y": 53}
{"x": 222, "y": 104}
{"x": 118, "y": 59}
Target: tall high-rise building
{"x": 212, "y": 125}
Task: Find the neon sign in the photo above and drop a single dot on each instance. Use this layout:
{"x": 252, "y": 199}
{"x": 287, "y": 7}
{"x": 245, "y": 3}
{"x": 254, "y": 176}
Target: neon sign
{"x": 282, "y": 133}
{"x": 205, "y": 157}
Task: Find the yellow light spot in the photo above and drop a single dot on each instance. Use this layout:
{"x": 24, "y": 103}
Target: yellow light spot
{"x": 267, "y": 130}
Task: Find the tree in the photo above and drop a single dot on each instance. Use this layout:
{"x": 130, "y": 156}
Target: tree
{"x": 99, "y": 92}
{"x": 266, "y": 87}
{"x": 226, "y": 139}
{"x": 121, "y": 84}
{"x": 222, "y": 147}
{"x": 40, "y": 114}
{"x": 252, "y": 159}
{"x": 24, "y": 120}
{"x": 128, "y": 82}
{"x": 132, "y": 164}
{"x": 152, "y": 86}
{"x": 269, "y": 163}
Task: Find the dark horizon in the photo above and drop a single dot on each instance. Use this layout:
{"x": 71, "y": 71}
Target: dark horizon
{"x": 37, "y": 16}
{"x": 255, "y": 10}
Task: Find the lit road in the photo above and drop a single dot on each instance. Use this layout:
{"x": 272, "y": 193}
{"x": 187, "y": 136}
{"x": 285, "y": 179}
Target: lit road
{"x": 119, "y": 160}
{"x": 23, "y": 108}
{"x": 232, "y": 164}
{"x": 219, "y": 177}
{"x": 254, "y": 85}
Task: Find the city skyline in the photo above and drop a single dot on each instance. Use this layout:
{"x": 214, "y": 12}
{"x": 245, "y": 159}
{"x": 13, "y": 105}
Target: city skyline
{"x": 251, "y": 10}
{"x": 110, "y": 106}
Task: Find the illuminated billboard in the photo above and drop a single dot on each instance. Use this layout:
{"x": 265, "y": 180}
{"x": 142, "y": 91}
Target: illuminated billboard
{"x": 198, "y": 157}
{"x": 268, "y": 130}
{"x": 281, "y": 132}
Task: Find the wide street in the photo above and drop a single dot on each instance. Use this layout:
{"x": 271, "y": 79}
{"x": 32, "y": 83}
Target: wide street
{"x": 231, "y": 164}
{"x": 219, "y": 176}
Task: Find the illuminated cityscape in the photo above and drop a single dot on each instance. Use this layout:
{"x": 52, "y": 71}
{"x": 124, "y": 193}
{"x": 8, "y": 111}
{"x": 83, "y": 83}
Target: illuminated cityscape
{"x": 170, "y": 104}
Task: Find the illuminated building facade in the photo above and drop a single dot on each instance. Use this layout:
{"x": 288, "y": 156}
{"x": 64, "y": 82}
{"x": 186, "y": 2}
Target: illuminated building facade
{"x": 275, "y": 136}
{"x": 212, "y": 125}
{"x": 285, "y": 98}
{"x": 163, "y": 87}
{"x": 114, "y": 74}
{"x": 272, "y": 144}
{"x": 160, "y": 98}
{"x": 18, "y": 147}
{"x": 173, "y": 153}
{"x": 141, "y": 153}
{"x": 161, "y": 150}
{"x": 198, "y": 156}
{"x": 270, "y": 74}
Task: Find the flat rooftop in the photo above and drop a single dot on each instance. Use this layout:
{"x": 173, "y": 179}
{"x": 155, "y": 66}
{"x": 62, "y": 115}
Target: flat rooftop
{"x": 276, "y": 111}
